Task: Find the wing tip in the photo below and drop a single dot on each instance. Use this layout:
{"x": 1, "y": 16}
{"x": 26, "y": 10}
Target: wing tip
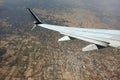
{"x": 38, "y": 21}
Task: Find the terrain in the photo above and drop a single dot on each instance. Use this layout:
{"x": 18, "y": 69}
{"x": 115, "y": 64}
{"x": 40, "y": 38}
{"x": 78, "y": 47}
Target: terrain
{"x": 37, "y": 54}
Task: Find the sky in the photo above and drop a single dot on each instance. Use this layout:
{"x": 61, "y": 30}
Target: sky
{"x": 105, "y": 9}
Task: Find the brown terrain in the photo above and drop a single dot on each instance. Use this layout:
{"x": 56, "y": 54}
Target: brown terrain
{"x": 37, "y": 54}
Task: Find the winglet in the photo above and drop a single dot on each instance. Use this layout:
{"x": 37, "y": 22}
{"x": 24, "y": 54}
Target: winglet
{"x": 38, "y": 21}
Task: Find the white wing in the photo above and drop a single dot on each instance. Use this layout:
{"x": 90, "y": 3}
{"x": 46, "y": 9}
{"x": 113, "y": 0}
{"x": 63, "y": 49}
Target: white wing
{"x": 99, "y": 38}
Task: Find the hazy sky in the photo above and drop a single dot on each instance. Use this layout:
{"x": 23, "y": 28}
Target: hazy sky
{"x": 108, "y": 8}
{"x": 104, "y": 5}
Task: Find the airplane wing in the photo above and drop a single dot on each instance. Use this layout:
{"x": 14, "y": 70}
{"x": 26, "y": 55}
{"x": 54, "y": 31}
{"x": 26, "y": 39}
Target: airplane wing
{"x": 99, "y": 38}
